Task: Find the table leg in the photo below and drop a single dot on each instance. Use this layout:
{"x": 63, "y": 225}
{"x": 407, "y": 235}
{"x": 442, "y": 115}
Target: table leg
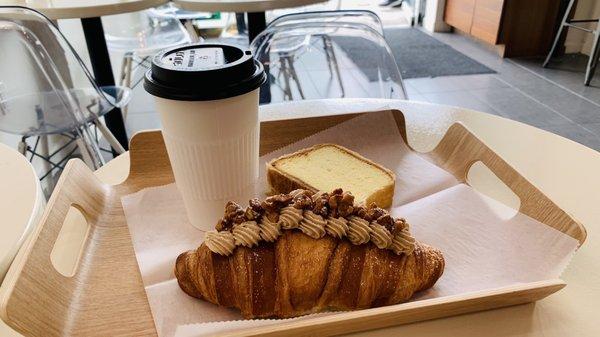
{"x": 257, "y": 22}
{"x": 96, "y": 44}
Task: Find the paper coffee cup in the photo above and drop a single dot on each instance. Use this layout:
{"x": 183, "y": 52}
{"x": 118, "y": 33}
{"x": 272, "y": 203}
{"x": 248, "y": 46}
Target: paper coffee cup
{"x": 207, "y": 97}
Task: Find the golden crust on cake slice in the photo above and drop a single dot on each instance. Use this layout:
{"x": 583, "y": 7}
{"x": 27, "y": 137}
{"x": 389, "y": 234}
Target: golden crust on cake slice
{"x": 325, "y": 167}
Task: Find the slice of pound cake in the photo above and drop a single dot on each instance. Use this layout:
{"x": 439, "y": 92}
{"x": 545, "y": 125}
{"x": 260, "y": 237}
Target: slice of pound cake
{"x": 325, "y": 167}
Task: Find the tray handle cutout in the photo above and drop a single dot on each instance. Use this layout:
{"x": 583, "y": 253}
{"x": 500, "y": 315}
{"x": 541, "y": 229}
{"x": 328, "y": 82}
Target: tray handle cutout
{"x": 483, "y": 180}
{"x": 459, "y": 149}
{"x": 68, "y": 247}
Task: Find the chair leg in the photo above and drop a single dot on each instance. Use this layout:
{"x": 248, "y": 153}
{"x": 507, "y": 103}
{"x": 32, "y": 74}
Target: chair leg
{"x": 189, "y": 26}
{"x": 22, "y": 147}
{"x": 294, "y": 75}
{"x": 110, "y": 138}
{"x": 327, "y": 55}
{"x": 129, "y": 69}
{"x": 123, "y": 66}
{"x": 559, "y": 33}
{"x": 84, "y": 153}
{"x": 228, "y": 22}
{"x": 593, "y": 61}
{"x": 336, "y": 66}
{"x": 45, "y": 151}
{"x": 287, "y": 90}
{"x": 338, "y": 5}
{"x": 86, "y": 141}
{"x": 125, "y": 78}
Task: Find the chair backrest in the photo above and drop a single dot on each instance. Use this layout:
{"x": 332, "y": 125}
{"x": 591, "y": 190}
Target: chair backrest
{"x": 171, "y": 11}
{"x": 341, "y": 60}
{"x": 341, "y": 17}
{"x": 325, "y": 5}
{"x": 44, "y": 85}
{"x": 143, "y": 32}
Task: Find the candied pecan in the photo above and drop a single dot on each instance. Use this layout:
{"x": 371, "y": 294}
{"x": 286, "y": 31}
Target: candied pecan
{"x": 346, "y": 205}
{"x": 273, "y": 204}
{"x": 337, "y": 191}
{"x": 341, "y": 203}
{"x": 374, "y": 212}
{"x": 301, "y": 199}
{"x": 399, "y": 224}
{"x": 386, "y": 221}
{"x": 234, "y": 214}
{"x": 239, "y": 216}
{"x": 335, "y": 197}
{"x": 276, "y": 202}
{"x": 254, "y": 210}
{"x": 255, "y": 205}
{"x": 321, "y": 201}
{"x": 299, "y": 192}
{"x": 223, "y": 225}
{"x": 360, "y": 211}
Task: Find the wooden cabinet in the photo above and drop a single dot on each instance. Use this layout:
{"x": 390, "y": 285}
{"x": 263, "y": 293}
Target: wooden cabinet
{"x": 486, "y": 20}
{"x": 517, "y": 27}
{"x": 459, "y": 14}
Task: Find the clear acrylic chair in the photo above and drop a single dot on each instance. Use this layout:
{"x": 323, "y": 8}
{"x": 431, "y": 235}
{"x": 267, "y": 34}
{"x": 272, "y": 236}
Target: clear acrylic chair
{"x": 45, "y": 90}
{"x": 173, "y": 12}
{"x": 309, "y": 59}
{"x": 341, "y": 17}
{"x": 140, "y": 35}
{"x": 187, "y": 18}
{"x": 328, "y": 6}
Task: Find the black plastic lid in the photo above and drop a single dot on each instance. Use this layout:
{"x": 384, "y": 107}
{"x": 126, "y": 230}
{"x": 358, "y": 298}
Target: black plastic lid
{"x": 203, "y": 72}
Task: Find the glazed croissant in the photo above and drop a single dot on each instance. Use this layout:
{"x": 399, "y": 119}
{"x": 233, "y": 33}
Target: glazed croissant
{"x": 298, "y": 275}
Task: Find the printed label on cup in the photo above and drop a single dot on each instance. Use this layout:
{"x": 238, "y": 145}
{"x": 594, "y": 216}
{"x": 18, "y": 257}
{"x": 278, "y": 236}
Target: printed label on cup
{"x": 196, "y": 59}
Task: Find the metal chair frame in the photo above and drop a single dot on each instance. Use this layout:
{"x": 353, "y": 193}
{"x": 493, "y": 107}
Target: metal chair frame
{"x": 595, "y": 51}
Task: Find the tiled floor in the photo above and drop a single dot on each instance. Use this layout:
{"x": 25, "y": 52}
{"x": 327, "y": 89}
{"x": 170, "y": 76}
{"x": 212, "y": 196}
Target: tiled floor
{"x": 552, "y": 99}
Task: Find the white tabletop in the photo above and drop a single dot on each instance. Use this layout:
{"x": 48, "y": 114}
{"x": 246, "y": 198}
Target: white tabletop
{"x": 567, "y": 172}
{"x": 76, "y": 9}
{"x": 21, "y": 203}
{"x": 21, "y": 206}
{"x": 241, "y": 5}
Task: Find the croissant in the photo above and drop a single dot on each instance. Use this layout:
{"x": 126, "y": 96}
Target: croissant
{"x": 297, "y": 275}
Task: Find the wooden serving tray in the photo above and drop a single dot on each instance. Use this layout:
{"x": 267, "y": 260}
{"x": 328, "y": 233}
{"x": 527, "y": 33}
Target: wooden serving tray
{"x": 106, "y": 297}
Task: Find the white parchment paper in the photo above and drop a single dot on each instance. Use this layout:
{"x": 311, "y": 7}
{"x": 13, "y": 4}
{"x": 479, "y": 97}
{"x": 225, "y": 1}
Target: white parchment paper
{"x": 486, "y": 245}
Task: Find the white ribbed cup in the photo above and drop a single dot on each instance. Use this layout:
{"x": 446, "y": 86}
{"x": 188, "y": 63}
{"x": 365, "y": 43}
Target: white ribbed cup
{"x": 213, "y": 149}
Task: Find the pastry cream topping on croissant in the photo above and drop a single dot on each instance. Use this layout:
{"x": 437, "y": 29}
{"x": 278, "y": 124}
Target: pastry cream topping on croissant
{"x": 269, "y": 230}
{"x": 315, "y": 215}
{"x": 380, "y": 236}
{"x": 358, "y": 230}
{"x": 337, "y": 227}
{"x": 403, "y": 242}
{"x": 221, "y": 243}
{"x": 290, "y": 217}
{"x": 313, "y": 225}
{"x": 246, "y": 234}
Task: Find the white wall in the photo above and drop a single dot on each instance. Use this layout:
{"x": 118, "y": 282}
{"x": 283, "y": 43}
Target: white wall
{"x": 578, "y": 41}
{"x": 589, "y": 38}
{"x": 434, "y": 16}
